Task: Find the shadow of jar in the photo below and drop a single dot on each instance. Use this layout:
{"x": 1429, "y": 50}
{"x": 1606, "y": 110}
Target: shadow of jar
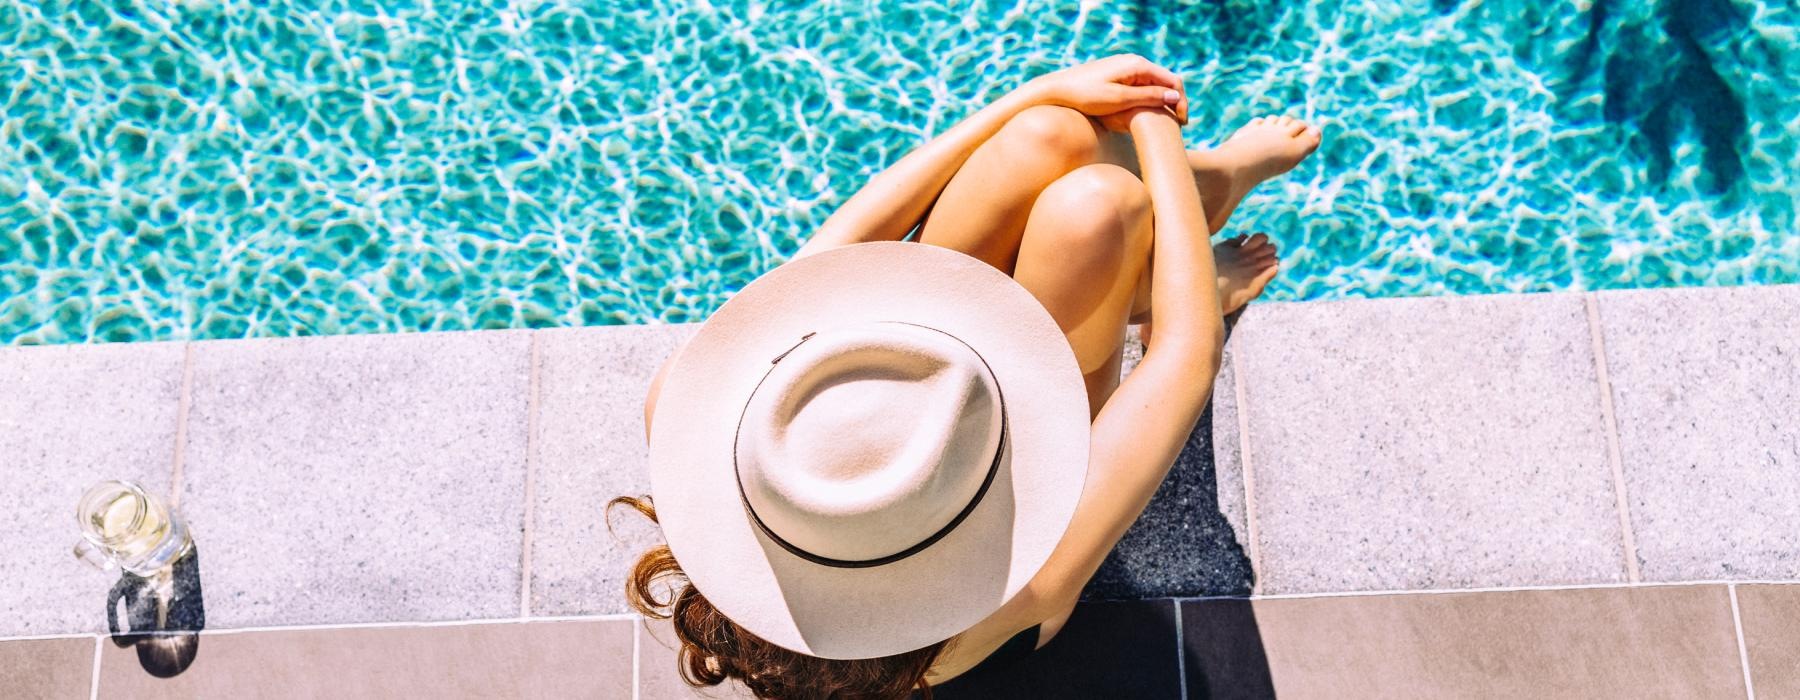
{"x": 163, "y": 616}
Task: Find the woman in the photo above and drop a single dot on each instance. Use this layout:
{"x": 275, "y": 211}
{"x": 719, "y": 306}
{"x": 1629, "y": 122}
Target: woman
{"x": 1068, "y": 184}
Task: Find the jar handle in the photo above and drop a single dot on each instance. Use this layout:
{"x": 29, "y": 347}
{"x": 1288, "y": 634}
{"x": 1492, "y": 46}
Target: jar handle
{"x": 87, "y": 552}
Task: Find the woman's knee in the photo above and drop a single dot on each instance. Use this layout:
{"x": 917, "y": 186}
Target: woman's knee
{"x": 1058, "y": 133}
{"x": 1099, "y": 204}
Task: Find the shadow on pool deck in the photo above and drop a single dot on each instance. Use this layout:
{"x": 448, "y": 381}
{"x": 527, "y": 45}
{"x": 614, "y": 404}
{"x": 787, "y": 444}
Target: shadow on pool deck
{"x": 166, "y": 637}
{"x": 1132, "y": 636}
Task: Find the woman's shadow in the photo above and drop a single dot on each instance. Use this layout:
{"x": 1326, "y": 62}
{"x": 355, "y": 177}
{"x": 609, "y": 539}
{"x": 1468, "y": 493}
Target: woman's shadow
{"x": 1143, "y": 600}
{"x": 162, "y": 619}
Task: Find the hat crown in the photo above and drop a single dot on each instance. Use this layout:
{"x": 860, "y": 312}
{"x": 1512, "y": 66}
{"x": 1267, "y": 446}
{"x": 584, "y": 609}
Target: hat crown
{"x": 867, "y": 441}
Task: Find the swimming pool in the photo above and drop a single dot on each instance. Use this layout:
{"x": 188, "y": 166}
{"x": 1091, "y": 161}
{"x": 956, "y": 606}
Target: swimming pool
{"x": 209, "y": 169}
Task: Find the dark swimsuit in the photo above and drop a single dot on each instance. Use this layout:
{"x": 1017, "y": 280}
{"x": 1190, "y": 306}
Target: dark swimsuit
{"x": 1003, "y": 658}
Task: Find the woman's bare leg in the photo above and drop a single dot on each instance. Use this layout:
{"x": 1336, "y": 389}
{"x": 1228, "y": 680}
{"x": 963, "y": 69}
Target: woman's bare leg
{"x": 1084, "y": 248}
{"x": 983, "y": 209}
{"x": 987, "y": 206}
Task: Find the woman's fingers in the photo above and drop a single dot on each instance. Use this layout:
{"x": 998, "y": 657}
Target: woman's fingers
{"x": 1143, "y": 71}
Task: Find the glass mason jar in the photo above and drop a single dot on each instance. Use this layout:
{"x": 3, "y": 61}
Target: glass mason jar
{"x": 124, "y": 526}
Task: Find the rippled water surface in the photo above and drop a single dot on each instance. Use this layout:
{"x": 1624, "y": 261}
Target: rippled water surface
{"x": 213, "y": 169}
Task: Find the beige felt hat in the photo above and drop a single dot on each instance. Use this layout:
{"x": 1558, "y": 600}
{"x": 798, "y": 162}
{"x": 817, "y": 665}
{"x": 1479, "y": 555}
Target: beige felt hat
{"x": 870, "y": 449}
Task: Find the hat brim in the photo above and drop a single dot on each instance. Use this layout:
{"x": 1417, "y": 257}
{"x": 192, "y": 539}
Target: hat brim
{"x": 854, "y": 613}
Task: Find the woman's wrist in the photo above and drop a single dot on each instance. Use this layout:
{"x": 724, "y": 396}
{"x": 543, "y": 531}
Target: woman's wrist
{"x": 1032, "y": 93}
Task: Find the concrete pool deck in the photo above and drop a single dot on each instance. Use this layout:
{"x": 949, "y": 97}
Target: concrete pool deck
{"x": 1630, "y": 457}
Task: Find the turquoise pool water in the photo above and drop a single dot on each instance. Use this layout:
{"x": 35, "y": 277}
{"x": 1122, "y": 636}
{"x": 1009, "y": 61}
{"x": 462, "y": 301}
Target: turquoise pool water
{"x": 208, "y": 169}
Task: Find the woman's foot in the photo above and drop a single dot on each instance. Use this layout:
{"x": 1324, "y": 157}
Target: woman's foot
{"x": 1245, "y": 264}
{"x": 1267, "y": 147}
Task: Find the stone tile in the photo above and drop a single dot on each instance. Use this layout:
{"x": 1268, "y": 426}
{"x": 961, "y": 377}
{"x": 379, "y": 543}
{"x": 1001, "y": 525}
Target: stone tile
{"x": 1188, "y": 541}
{"x": 1222, "y": 650}
{"x": 1228, "y": 462}
{"x": 1706, "y": 384}
{"x": 1618, "y": 642}
{"x": 1771, "y": 638}
{"x": 1105, "y": 650}
{"x": 72, "y": 415}
{"x": 590, "y": 449}
{"x": 564, "y": 658}
{"x": 359, "y": 478}
{"x": 659, "y": 675}
{"x": 47, "y": 669}
{"x": 1228, "y": 465}
{"x": 1427, "y": 443}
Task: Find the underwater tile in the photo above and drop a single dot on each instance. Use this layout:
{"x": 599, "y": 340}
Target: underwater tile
{"x": 591, "y": 449}
{"x": 361, "y": 478}
{"x": 1706, "y": 385}
{"x": 71, "y": 416}
{"x": 1427, "y": 443}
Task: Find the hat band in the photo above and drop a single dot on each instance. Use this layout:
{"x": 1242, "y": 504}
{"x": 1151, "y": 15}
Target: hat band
{"x": 992, "y": 470}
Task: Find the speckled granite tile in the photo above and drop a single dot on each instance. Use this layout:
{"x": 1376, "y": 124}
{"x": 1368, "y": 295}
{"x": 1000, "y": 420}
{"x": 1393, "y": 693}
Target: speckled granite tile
{"x": 1614, "y": 642}
{"x": 72, "y": 415}
{"x": 1772, "y": 637}
{"x": 560, "y": 659}
{"x": 359, "y": 478}
{"x": 1427, "y": 443}
{"x": 51, "y": 669}
{"x": 591, "y": 388}
{"x": 1706, "y": 384}
{"x": 1188, "y": 541}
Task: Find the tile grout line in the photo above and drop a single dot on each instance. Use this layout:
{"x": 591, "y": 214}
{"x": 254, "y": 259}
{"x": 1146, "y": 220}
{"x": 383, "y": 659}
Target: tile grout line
{"x": 637, "y": 654}
{"x": 1491, "y": 589}
{"x": 1609, "y": 418}
{"x": 94, "y": 680}
{"x": 1248, "y": 475}
{"x": 531, "y": 460}
{"x": 1737, "y": 622}
{"x": 177, "y": 470}
{"x": 1180, "y": 652}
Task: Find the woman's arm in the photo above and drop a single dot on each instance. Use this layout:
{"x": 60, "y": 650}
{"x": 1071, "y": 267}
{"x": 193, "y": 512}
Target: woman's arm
{"x": 894, "y": 201}
{"x": 1141, "y": 429}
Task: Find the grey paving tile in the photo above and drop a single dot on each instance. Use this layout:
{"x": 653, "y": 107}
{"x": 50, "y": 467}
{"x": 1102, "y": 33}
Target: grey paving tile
{"x": 591, "y": 388}
{"x": 1227, "y": 463}
{"x": 71, "y": 415}
{"x": 561, "y": 659}
{"x": 1189, "y": 539}
{"x": 1427, "y": 443}
{"x": 1771, "y": 637}
{"x": 359, "y": 478}
{"x": 1706, "y": 384}
{"x": 1615, "y": 642}
{"x": 47, "y": 669}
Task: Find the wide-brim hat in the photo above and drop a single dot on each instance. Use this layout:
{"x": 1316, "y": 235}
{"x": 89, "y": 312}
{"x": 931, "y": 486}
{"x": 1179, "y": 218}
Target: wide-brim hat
{"x": 870, "y": 449}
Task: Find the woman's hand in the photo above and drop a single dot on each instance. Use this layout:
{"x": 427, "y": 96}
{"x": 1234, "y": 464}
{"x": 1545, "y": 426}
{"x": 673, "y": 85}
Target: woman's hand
{"x": 1113, "y": 85}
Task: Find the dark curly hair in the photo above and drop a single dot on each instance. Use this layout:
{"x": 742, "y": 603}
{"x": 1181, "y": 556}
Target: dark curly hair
{"x": 713, "y": 648}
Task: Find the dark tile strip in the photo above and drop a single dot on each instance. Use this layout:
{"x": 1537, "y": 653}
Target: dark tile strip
{"x": 1623, "y": 641}
{"x": 47, "y": 668}
{"x": 1105, "y": 650}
